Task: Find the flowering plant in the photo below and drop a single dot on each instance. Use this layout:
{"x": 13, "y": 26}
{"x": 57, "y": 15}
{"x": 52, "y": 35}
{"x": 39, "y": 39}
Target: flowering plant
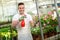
{"x": 47, "y": 20}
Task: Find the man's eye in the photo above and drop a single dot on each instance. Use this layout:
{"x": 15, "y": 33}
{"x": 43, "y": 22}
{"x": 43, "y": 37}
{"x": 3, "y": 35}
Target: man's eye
{"x": 19, "y": 8}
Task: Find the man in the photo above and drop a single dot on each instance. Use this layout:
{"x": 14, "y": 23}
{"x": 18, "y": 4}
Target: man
{"x": 23, "y": 27}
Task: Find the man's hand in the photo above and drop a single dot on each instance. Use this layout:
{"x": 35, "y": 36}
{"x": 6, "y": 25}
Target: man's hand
{"x": 14, "y": 23}
{"x": 32, "y": 23}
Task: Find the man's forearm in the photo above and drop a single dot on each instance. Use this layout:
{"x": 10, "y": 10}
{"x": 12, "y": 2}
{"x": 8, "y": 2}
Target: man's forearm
{"x": 14, "y": 24}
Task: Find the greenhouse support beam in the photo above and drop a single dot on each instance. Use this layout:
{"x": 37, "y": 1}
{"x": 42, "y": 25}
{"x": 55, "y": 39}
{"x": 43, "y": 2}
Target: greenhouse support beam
{"x": 2, "y": 9}
{"x": 58, "y": 18}
{"x": 42, "y": 36}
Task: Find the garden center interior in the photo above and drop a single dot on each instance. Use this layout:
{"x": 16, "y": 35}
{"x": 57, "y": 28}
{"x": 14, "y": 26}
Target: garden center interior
{"x": 45, "y": 12}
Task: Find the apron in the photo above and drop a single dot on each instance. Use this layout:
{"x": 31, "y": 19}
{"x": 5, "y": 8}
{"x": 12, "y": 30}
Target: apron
{"x": 24, "y": 33}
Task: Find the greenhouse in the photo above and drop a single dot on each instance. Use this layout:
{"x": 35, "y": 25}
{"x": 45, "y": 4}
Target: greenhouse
{"x": 44, "y": 13}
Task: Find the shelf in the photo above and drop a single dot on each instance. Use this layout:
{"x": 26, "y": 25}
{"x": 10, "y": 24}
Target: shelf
{"x": 5, "y": 25}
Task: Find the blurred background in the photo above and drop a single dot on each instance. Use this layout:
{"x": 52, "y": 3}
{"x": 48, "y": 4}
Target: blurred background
{"x": 45, "y": 12}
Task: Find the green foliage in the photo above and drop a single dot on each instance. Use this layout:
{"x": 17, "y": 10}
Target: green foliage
{"x": 5, "y": 32}
{"x": 22, "y": 18}
{"x": 35, "y": 30}
{"x": 48, "y": 20}
{"x": 48, "y": 29}
{"x": 48, "y": 23}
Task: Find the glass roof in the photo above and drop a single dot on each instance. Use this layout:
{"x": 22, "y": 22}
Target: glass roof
{"x": 10, "y": 6}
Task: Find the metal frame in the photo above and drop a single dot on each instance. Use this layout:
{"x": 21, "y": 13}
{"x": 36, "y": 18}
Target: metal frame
{"x": 58, "y": 18}
{"x": 37, "y": 8}
{"x": 55, "y": 2}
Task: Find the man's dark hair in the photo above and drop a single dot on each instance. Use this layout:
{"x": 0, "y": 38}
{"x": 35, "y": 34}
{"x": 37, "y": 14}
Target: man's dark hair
{"x": 20, "y": 3}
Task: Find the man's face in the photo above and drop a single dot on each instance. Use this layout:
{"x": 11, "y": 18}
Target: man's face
{"x": 21, "y": 9}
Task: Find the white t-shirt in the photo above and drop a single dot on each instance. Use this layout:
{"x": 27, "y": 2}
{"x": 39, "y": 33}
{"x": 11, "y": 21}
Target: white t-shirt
{"x": 24, "y": 33}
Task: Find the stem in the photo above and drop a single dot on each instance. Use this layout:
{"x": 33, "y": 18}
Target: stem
{"x": 6, "y": 38}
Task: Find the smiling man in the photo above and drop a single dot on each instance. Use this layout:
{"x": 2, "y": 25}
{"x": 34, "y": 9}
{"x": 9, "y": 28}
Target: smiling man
{"x": 22, "y": 23}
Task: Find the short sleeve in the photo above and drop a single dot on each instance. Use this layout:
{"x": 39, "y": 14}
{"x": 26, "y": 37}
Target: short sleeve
{"x": 30, "y": 18}
{"x": 15, "y": 18}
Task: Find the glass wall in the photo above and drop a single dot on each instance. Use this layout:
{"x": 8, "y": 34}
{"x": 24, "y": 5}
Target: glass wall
{"x": 49, "y": 18}
{"x": 43, "y": 12}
